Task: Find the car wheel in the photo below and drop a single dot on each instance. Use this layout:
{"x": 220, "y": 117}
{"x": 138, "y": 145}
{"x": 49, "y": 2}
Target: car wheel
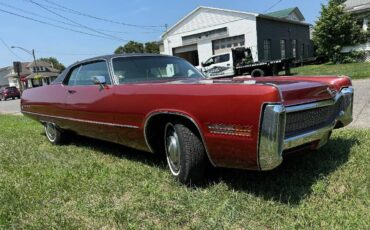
{"x": 54, "y": 135}
{"x": 13, "y": 98}
{"x": 185, "y": 153}
{"x": 258, "y": 73}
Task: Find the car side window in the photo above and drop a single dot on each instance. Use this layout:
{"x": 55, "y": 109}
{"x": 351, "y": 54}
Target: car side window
{"x": 73, "y": 76}
{"x": 84, "y": 75}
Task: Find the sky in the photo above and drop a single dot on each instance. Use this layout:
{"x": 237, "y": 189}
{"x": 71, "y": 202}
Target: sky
{"x": 123, "y": 20}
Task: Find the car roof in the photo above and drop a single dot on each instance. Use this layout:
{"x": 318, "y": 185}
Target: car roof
{"x": 110, "y": 56}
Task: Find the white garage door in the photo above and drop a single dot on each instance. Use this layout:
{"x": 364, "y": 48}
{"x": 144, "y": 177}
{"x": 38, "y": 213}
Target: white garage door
{"x": 225, "y": 44}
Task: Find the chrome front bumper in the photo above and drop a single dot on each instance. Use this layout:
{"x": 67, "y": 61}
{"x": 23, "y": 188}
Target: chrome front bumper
{"x": 272, "y": 140}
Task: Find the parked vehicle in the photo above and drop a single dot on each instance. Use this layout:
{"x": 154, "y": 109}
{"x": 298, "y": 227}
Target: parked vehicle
{"x": 9, "y": 92}
{"x": 239, "y": 61}
{"x": 163, "y": 104}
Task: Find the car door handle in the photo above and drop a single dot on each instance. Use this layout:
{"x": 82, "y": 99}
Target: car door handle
{"x": 71, "y": 91}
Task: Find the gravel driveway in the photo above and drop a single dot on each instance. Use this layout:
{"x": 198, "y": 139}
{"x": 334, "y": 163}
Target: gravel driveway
{"x": 361, "y": 110}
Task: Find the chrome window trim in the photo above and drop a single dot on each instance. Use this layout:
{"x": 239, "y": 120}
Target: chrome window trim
{"x": 83, "y": 121}
{"x": 117, "y": 81}
{"x": 78, "y": 65}
{"x": 178, "y": 114}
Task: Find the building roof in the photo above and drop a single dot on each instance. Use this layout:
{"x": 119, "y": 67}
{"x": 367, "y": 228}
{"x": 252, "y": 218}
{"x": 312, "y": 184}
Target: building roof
{"x": 6, "y": 68}
{"x": 357, "y": 5}
{"x": 294, "y": 9}
{"x": 285, "y": 13}
{"x": 39, "y": 64}
{"x": 199, "y": 8}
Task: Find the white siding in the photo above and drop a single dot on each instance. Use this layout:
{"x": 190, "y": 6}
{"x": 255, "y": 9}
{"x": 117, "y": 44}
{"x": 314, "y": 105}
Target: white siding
{"x": 207, "y": 19}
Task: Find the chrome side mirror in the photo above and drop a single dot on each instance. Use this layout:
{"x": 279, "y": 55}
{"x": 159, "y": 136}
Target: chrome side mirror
{"x": 99, "y": 80}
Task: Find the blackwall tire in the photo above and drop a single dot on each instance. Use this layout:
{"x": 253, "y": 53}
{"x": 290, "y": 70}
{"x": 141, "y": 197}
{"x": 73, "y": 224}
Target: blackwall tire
{"x": 258, "y": 73}
{"x": 185, "y": 154}
{"x": 54, "y": 134}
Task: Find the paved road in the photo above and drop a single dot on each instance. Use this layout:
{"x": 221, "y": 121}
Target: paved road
{"x": 10, "y": 107}
{"x": 361, "y": 110}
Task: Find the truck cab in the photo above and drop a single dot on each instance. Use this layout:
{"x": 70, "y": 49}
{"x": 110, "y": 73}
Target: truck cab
{"x": 219, "y": 65}
{"x": 239, "y": 61}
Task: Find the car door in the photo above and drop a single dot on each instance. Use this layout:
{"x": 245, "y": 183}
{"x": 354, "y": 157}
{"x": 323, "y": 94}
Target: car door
{"x": 88, "y": 106}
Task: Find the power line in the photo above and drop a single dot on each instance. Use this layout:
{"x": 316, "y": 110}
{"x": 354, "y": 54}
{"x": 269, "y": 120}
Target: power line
{"x": 70, "y": 20}
{"x": 102, "y": 19}
{"x": 74, "y": 25}
{"x": 10, "y": 50}
{"x": 54, "y": 25}
{"x": 272, "y": 6}
{"x": 69, "y": 54}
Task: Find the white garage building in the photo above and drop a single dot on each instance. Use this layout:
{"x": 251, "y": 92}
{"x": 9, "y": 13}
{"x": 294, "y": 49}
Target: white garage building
{"x": 207, "y": 31}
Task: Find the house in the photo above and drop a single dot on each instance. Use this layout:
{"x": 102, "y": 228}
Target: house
{"x": 207, "y": 31}
{"x": 13, "y": 79}
{"x": 360, "y": 10}
{"x": 34, "y": 74}
{"x": 3, "y": 73}
{"x": 293, "y": 14}
{"x": 43, "y": 73}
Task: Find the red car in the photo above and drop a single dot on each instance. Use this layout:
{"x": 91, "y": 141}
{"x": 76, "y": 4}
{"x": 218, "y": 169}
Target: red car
{"x": 161, "y": 104}
{"x": 9, "y": 92}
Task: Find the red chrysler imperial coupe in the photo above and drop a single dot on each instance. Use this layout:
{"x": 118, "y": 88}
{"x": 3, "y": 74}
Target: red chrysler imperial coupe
{"x": 162, "y": 104}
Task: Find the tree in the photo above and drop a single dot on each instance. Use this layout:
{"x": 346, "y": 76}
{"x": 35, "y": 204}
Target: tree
{"x": 152, "y": 47}
{"x": 130, "y": 47}
{"x": 137, "y": 47}
{"x": 52, "y": 60}
{"x": 338, "y": 2}
{"x": 334, "y": 30}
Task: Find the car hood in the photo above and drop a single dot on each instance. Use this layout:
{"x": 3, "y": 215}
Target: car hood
{"x": 300, "y": 91}
{"x": 293, "y": 91}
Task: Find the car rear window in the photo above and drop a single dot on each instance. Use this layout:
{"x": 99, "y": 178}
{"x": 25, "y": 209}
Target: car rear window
{"x": 152, "y": 68}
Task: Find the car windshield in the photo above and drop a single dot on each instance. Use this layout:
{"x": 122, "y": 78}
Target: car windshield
{"x": 152, "y": 68}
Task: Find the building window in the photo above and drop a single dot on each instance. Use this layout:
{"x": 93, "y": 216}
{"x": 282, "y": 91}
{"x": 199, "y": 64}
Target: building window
{"x": 302, "y": 51}
{"x": 294, "y": 48}
{"x": 267, "y": 49}
{"x": 283, "y": 48}
{"x": 190, "y": 39}
{"x": 225, "y": 44}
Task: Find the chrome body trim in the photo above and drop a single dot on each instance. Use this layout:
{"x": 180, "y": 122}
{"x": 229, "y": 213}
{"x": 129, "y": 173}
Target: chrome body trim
{"x": 83, "y": 121}
{"x": 178, "y": 114}
{"x": 271, "y": 137}
{"x": 273, "y": 142}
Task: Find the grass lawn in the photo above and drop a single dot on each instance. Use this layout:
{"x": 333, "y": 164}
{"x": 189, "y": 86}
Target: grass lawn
{"x": 94, "y": 184}
{"x": 353, "y": 70}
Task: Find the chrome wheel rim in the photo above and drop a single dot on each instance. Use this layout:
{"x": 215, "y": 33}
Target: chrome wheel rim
{"x": 172, "y": 149}
{"x": 51, "y": 131}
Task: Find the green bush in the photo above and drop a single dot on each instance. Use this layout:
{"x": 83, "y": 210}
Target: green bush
{"x": 353, "y": 57}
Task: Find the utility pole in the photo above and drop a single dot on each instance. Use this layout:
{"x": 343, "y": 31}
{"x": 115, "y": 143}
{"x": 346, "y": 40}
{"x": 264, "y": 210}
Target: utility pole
{"x": 32, "y": 52}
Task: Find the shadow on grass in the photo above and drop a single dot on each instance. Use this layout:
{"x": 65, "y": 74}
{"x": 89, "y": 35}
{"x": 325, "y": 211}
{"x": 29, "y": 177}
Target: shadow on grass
{"x": 293, "y": 180}
{"x": 116, "y": 150}
{"x": 289, "y": 183}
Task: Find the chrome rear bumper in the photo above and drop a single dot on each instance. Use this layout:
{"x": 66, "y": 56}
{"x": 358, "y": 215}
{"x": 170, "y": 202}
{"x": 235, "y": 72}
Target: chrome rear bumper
{"x": 272, "y": 135}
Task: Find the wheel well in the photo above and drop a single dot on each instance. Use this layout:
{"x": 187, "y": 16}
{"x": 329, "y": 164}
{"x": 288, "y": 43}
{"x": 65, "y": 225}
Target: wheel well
{"x": 154, "y": 130}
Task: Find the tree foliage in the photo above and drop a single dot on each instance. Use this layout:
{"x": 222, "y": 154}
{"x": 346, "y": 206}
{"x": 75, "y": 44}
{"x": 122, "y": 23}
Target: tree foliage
{"x": 152, "y": 47}
{"x": 334, "y": 30}
{"x": 137, "y": 47}
{"x": 55, "y": 62}
{"x": 130, "y": 47}
{"x": 338, "y": 2}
